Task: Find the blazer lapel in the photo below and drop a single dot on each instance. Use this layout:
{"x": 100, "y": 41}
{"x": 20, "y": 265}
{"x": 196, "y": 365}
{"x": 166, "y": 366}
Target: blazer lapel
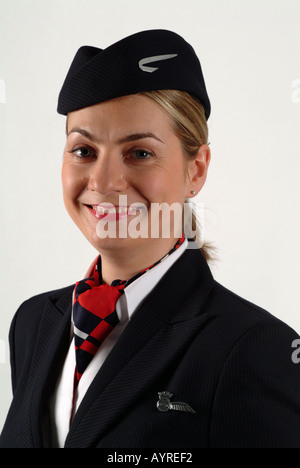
{"x": 52, "y": 342}
{"x": 159, "y": 331}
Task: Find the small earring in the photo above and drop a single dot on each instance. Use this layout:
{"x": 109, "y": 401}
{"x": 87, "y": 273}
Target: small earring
{"x": 193, "y": 192}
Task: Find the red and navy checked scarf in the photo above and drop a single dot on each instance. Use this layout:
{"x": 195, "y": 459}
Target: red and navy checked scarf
{"x": 94, "y": 311}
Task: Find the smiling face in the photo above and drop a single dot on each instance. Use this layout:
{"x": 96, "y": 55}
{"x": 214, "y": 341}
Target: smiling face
{"x": 123, "y": 147}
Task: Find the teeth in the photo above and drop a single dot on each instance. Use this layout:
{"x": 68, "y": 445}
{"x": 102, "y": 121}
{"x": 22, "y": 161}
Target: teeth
{"x": 102, "y": 210}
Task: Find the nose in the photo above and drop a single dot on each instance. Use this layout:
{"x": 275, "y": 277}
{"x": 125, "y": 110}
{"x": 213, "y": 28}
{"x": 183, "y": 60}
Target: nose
{"x": 107, "y": 175}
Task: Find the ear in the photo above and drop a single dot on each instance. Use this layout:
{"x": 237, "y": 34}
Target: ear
{"x": 197, "y": 171}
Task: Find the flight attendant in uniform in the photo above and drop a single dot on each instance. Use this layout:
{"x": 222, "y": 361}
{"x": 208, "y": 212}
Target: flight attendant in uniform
{"x": 147, "y": 350}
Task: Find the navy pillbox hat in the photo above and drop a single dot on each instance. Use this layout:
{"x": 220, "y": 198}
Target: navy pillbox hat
{"x": 146, "y": 61}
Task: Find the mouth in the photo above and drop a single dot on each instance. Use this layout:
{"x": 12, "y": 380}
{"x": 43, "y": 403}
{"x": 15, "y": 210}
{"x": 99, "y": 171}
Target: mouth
{"x": 113, "y": 212}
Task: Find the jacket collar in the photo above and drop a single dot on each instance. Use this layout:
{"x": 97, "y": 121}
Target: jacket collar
{"x": 136, "y": 291}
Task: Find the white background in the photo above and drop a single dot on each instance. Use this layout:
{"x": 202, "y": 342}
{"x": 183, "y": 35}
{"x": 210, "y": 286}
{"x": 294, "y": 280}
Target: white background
{"x": 250, "y": 54}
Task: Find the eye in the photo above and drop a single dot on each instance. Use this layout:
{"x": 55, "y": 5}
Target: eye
{"x": 142, "y": 154}
{"x": 82, "y": 152}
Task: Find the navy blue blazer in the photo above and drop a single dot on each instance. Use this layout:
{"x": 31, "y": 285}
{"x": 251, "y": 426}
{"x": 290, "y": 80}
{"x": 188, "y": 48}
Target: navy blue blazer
{"x": 226, "y": 358}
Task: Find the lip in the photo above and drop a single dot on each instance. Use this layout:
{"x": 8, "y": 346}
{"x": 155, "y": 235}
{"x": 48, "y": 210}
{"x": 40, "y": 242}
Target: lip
{"x": 112, "y": 212}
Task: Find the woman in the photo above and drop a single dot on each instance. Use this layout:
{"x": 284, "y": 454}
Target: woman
{"x": 148, "y": 350}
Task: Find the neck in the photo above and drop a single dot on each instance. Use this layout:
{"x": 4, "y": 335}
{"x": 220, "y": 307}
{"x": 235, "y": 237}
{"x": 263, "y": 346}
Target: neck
{"x": 123, "y": 263}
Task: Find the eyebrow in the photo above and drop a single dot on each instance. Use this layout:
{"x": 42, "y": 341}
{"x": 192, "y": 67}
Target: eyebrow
{"x": 126, "y": 139}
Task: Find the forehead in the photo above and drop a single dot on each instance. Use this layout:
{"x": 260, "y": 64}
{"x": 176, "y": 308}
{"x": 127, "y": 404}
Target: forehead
{"x": 130, "y": 113}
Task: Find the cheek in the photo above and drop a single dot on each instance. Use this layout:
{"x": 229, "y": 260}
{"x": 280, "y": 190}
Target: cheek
{"x": 167, "y": 185}
{"x": 72, "y": 182}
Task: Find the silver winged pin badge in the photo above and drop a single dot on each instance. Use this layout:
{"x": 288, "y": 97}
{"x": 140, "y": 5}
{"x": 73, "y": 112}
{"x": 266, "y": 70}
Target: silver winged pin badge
{"x": 164, "y": 404}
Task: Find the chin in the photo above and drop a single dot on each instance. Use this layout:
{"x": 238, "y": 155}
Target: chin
{"x": 113, "y": 244}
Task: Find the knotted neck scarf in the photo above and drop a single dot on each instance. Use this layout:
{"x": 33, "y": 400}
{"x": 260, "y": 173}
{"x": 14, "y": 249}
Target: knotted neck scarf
{"x": 94, "y": 312}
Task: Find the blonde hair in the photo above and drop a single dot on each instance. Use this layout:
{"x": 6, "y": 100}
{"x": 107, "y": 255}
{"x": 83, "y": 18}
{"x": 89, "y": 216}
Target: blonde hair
{"x": 189, "y": 123}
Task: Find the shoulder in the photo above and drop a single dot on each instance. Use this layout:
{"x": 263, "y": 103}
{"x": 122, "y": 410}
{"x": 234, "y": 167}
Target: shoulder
{"x": 256, "y": 348}
{"x": 30, "y": 311}
{"x": 254, "y": 325}
{"x": 227, "y": 311}
{"x": 26, "y": 324}
{"x": 239, "y": 333}
{"x": 242, "y": 314}
{"x": 55, "y": 295}
{"x": 258, "y": 382}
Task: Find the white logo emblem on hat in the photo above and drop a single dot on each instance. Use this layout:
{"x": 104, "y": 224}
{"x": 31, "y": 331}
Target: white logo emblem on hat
{"x": 156, "y": 58}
